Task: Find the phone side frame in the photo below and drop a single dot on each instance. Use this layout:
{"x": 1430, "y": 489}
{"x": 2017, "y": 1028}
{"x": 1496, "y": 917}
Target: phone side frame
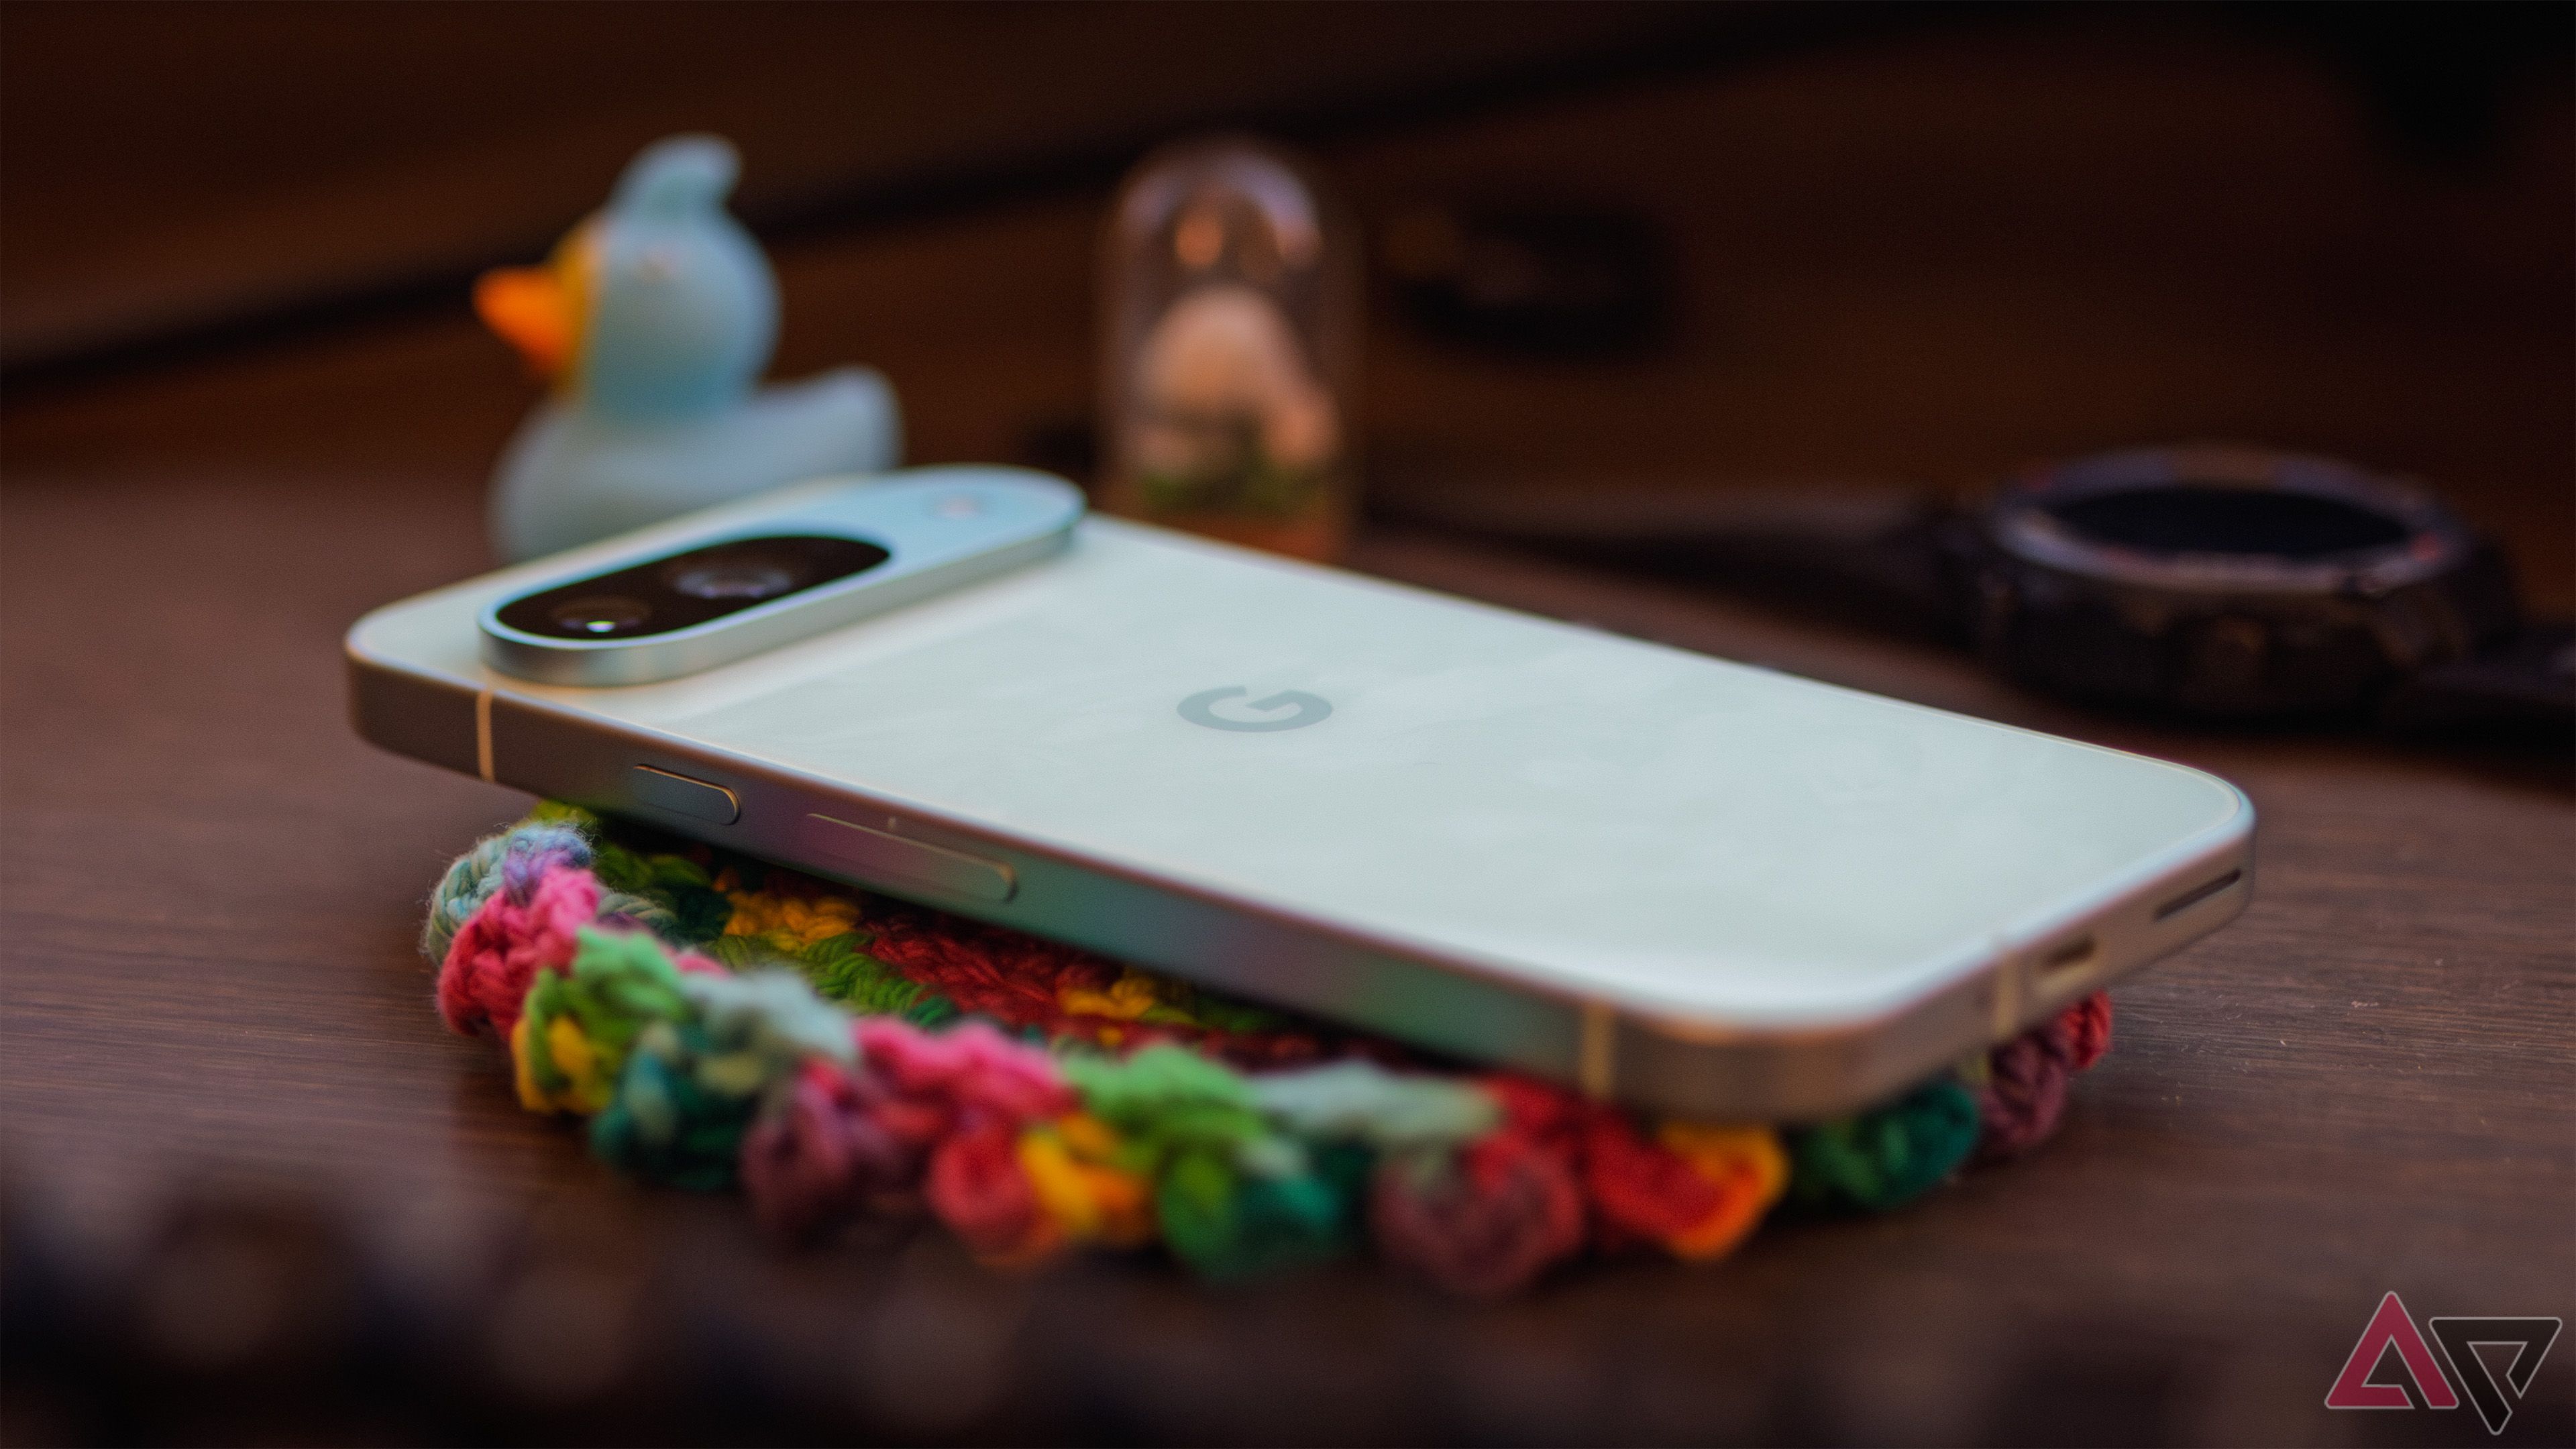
{"x": 1324, "y": 968}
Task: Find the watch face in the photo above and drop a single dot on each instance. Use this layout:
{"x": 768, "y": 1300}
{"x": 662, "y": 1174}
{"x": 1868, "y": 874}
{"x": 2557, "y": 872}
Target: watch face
{"x": 2197, "y": 519}
{"x": 2229, "y": 582}
{"x": 2209, "y": 518}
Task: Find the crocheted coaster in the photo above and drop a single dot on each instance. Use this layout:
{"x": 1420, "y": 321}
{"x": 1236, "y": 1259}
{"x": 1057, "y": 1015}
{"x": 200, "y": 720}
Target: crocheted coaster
{"x": 723, "y": 1022}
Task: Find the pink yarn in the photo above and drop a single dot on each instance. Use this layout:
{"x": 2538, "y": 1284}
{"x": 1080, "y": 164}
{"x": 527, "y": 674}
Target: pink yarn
{"x": 2024, "y": 1095}
{"x": 842, "y": 1141}
{"x": 525, "y": 927}
{"x": 975, "y": 1071}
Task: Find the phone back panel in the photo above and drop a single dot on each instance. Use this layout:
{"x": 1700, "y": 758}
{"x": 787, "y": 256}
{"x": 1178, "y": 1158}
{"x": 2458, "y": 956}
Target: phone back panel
{"x": 1725, "y": 851}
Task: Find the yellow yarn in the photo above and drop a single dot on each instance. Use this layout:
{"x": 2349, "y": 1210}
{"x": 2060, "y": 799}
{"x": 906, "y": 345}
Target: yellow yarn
{"x": 1072, "y": 1165}
{"x": 1747, "y": 1162}
{"x": 586, "y": 1089}
{"x": 790, "y": 923}
{"x": 1129, "y": 997}
{"x": 531, "y": 1096}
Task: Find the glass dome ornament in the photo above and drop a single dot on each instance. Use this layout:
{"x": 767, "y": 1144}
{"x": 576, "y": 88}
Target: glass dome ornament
{"x": 1229, "y": 349}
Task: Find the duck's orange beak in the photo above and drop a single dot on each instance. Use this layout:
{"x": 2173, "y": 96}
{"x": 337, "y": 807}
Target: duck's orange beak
{"x": 527, "y": 306}
{"x": 538, "y": 310}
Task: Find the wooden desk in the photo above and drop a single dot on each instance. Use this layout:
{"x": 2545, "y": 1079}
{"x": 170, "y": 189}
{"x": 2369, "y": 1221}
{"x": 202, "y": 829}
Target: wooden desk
{"x": 254, "y": 1189}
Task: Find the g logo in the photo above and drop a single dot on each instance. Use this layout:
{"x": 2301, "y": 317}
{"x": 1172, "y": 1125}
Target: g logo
{"x": 1303, "y": 709}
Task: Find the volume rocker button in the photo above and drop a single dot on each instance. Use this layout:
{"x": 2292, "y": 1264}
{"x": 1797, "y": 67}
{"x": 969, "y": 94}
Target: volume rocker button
{"x": 681, "y": 795}
{"x": 895, "y": 861}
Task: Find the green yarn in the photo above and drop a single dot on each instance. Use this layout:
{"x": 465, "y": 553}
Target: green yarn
{"x": 1886, "y": 1157}
{"x": 670, "y": 895}
{"x": 1233, "y": 1016}
{"x": 669, "y": 1123}
{"x": 840, "y": 969}
{"x": 1171, "y": 1099}
{"x": 695, "y": 911}
{"x": 1229, "y": 1223}
{"x": 690, "y": 1087}
{"x": 750, "y": 953}
{"x": 698, "y": 913}
{"x": 1359, "y": 1101}
{"x": 618, "y": 984}
{"x": 564, "y": 812}
{"x": 1234, "y": 1196}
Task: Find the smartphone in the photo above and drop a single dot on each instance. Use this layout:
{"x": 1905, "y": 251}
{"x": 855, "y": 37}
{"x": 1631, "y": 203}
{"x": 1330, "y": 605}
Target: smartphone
{"x": 1697, "y": 886}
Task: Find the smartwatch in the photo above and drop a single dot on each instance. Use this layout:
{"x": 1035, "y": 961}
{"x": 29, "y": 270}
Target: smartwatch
{"x": 2210, "y": 582}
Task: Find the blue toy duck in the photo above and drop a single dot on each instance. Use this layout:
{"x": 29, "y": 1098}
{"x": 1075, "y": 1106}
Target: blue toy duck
{"x": 654, "y": 318}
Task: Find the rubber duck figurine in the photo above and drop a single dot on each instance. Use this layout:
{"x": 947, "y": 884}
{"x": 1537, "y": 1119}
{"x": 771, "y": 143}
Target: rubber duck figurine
{"x": 654, "y": 319}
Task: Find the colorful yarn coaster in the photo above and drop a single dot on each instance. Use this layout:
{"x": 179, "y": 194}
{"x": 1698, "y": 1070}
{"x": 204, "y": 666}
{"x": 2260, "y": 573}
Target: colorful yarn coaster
{"x": 724, "y": 1023}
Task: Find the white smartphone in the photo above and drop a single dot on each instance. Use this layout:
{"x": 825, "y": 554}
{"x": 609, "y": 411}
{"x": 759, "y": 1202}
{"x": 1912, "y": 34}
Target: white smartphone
{"x": 1694, "y": 885}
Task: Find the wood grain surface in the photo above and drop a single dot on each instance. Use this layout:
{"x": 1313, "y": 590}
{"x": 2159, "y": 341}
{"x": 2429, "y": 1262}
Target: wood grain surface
{"x": 255, "y": 1190}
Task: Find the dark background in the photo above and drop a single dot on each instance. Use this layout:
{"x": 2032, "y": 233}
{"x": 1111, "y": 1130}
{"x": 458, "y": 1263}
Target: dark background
{"x": 1916, "y": 242}
{"x": 252, "y": 1190}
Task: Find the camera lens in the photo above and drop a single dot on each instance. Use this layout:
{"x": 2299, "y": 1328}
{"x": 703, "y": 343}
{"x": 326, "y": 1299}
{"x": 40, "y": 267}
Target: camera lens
{"x": 741, "y": 575}
{"x": 600, "y": 614}
{"x": 686, "y": 590}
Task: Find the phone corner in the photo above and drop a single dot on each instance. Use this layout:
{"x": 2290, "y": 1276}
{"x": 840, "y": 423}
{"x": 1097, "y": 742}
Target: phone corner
{"x": 421, "y": 716}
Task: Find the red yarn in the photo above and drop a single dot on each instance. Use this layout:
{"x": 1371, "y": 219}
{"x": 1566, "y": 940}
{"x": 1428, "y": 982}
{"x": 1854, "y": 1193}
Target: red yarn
{"x": 988, "y": 972}
{"x": 978, "y": 1188}
{"x": 1486, "y": 1224}
{"x": 523, "y": 928}
{"x": 1511, "y": 1204}
{"x": 1640, "y": 1189}
{"x": 1547, "y": 1115}
{"x": 2081, "y": 1033}
{"x": 1020, "y": 982}
{"x": 1637, "y": 1189}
